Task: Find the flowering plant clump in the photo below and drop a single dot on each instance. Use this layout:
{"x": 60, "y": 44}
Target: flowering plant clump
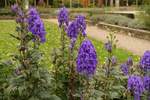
{"x": 36, "y": 25}
{"x": 29, "y": 78}
{"x": 63, "y": 18}
{"x": 87, "y": 59}
{"x": 136, "y": 85}
{"x": 75, "y": 73}
{"x": 145, "y": 61}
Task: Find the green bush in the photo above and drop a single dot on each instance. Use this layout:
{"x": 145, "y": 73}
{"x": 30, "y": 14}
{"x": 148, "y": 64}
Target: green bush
{"x": 147, "y": 15}
{"x": 119, "y": 20}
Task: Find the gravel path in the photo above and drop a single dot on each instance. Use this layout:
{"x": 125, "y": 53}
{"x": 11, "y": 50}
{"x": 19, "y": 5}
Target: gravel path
{"x": 135, "y": 45}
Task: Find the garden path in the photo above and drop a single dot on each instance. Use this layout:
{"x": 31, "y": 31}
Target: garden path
{"x": 135, "y": 45}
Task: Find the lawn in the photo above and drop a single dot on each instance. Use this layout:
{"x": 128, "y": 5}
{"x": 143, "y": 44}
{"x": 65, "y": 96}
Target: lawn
{"x": 8, "y": 44}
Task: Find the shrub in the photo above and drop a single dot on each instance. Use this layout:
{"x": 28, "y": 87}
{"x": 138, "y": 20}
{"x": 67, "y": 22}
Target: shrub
{"x": 119, "y": 20}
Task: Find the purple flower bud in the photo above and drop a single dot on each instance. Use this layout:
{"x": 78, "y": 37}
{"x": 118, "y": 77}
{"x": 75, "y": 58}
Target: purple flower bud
{"x": 81, "y": 24}
{"x": 125, "y": 69}
{"x": 145, "y": 61}
{"x": 136, "y": 85}
{"x": 15, "y": 8}
{"x": 108, "y": 47}
{"x": 63, "y": 17}
{"x": 129, "y": 61}
{"x": 114, "y": 60}
{"x": 86, "y": 59}
{"x": 19, "y": 13}
{"x": 147, "y": 83}
{"x": 73, "y": 40}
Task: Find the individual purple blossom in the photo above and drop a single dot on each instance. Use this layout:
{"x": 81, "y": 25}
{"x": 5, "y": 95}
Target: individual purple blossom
{"x": 15, "y": 8}
{"x": 125, "y": 69}
{"x": 72, "y": 30}
{"x": 19, "y": 13}
{"x": 36, "y": 25}
{"x": 86, "y": 59}
{"x": 63, "y": 17}
{"x": 81, "y": 24}
{"x": 73, "y": 40}
{"x": 108, "y": 46}
{"x": 135, "y": 84}
{"x": 114, "y": 60}
{"x": 147, "y": 83}
{"x": 129, "y": 61}
{"x": 145, "y": 61}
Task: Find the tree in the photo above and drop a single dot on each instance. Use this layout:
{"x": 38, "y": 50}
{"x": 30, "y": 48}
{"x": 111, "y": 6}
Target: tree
{"x": 70, "y": 3}
{"x": 111, "y": 3}
{"x": 5, "y": 3}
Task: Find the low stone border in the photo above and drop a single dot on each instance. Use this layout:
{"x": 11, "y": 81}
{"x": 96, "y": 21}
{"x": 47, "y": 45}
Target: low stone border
{"x": 138, "y": 33}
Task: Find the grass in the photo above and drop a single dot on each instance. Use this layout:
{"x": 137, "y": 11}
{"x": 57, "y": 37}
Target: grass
{"x": 8, "y": 45}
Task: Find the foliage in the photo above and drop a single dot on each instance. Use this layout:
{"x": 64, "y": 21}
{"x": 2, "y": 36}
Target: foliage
{"x": 106, "y": 86}
{"x": 146, "y": 15}
{"x": 119, "y": 20}
{"x": 27, "y": 76}
{"x": 29, "y": 80}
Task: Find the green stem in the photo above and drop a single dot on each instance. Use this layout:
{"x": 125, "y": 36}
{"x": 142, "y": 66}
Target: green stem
{"x": 71, "y": 76}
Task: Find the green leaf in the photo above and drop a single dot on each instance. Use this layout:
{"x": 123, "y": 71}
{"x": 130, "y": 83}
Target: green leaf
{"x": 54, "y": 97}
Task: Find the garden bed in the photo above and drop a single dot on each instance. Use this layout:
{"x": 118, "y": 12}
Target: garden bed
{"x": 138, "y": 33}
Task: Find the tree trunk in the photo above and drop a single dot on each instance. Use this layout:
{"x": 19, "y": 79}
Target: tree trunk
{"x": 93, "y": 3}
{"x": 100, "y": 3}
{"x": 26, "y": 4}
{"x": 5, "y": 3}
{"x": 137, "y": 3}
{"x": 117, "y": 3}
{"x": 47, "y": 3}
{"x": 127, "y": 2}
{"x": 62, "y": 3}
{"x": 78, "y": 3}
{"x": 111, "y": 3}
{"x": 34, "y": 2}
{"x": 106, "y": 2}
{"x": 70, "y": 3}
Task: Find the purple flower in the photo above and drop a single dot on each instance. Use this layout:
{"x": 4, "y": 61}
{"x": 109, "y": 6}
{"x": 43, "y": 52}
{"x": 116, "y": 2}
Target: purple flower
{"x": 36, "y": 25}
{"x": 147, "y": 83}
{"x": 73, "y": 40}
{"x": 86, "y": 59}
{"x": 129, "y": 61}
{"x": 125, "y": 69}
{"x": 81, "y": 24}
{"x": 135, "y": 84}
{"x": 18, "y": 11}
{"x": 15, "y": 8}
{"x": 114, "y": 60}
{"x": 63, "y": 17}
{"x": 145, "y": 61}
{"x": 108, "y": 47}
{"x": 72, "y": 30}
